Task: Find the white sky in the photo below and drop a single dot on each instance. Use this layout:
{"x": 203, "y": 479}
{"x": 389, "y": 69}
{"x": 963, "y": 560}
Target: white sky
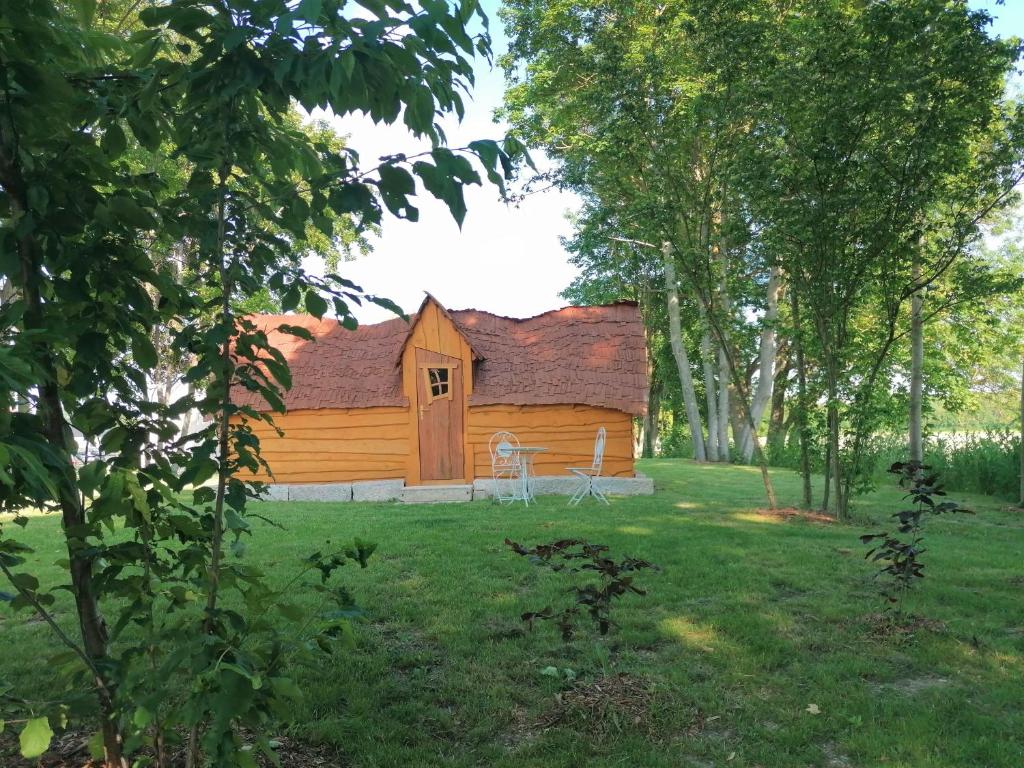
{"x": 506, "y": 260}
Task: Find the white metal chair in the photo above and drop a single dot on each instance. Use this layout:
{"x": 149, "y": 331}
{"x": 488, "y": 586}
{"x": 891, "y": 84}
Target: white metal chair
{"x": 506, "y": 467}
{"x": 588, "y": 475}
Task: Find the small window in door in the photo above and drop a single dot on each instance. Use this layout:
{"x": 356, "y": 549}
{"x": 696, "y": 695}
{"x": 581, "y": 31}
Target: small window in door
{"x": 439, "y": 383}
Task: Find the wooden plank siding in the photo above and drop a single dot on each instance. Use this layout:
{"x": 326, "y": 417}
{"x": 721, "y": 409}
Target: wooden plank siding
{"x": 334, "y": 445}
{"x": 567, "y": 431}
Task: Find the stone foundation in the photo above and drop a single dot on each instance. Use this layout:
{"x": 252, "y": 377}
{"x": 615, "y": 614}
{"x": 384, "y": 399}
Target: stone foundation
{"x": 482, "y": 488}
{"x": 561, "y": 485}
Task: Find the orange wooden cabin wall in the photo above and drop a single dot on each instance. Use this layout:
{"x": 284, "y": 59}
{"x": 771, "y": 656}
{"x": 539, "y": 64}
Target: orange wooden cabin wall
{"x": 567, "y": 431}
{"x": 336, "y": 445}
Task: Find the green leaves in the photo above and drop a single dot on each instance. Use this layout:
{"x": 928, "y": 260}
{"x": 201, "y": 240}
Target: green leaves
{"x": 316, "y": 305}
{"x": 445, "y": 179}
{"x": 86, "y": 9}
{"x": 396, "y": 185}
{"x": 113, "y": 142}
{"x": 35, "y": 737}
{"x": 130, "y": 213}
{"x": 143, "y": 351}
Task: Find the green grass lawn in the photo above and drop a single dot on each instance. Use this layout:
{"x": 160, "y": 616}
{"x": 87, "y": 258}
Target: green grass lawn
{"x": 750, "y": 621}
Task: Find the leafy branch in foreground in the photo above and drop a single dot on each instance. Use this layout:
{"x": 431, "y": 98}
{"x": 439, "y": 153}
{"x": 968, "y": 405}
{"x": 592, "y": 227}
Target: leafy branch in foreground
{"x": 899, "y": 552}
{"x": 614, "y": 579}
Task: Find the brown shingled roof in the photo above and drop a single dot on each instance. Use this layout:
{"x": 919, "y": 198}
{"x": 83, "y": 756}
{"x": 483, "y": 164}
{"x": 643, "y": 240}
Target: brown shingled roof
{"x": 341, "y": 369}
{"x": 587, "y": 355}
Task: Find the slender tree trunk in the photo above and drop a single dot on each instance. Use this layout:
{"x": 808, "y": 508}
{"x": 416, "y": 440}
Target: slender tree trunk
{"x": 736, "y": 416}
{"x": 186, "y": 419}
{"x": 733, "y": 372}
{"x": 802, "y": 405}
{"x": 916, "y": 366}
{"x": 826, "y": 493}
{"x": 766, "y": 364}
{"x": 778, "y": 420}
{"x": 723, "y": 405}
{"x": 649, "y": 448}
{"x": 1022, "y": 434}
{"x": 707, "y": 356}
{"x": 58, "y": 432}
{"x": 680, "y": 356}
{"x": 192, "y": 755}
{"x": 724, "y": 366}
{"x": 837, "y": 474}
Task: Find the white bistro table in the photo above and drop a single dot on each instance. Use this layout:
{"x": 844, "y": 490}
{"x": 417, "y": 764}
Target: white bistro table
{"x": 526, "y": 454}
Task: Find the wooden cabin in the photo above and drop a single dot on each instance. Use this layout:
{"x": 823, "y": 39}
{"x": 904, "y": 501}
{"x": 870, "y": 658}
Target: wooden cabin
{"x": 417, "y": 401}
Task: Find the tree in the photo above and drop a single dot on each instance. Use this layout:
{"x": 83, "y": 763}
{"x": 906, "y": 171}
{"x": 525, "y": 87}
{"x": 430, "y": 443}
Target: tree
{"x": 614, "y": 92}
{"x": 888, "y": 124}
{"x": 210, "y": 85}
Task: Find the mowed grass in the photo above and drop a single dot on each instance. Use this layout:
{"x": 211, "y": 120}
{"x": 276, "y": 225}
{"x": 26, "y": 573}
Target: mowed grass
{"x": 750, "y": 621}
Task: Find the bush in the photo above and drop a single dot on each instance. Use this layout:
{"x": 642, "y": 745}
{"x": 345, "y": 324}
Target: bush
{"x": 986, "y": 463}
{"x": 676, "y": 442}
{"x": 971, "y": 462}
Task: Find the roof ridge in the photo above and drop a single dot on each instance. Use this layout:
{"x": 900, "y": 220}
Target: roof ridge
{"x": 620, "y": 303}
{"x": 412, "y": 316}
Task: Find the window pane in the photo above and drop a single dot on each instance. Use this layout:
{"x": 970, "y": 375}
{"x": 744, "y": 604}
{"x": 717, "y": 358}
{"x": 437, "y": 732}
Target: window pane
{"x": 438, "y": 378}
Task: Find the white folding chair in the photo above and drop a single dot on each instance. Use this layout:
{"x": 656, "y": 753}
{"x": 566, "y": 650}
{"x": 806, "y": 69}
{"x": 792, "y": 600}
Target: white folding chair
{"x": 506, "y": 467}
{"x": 588, "y": 475}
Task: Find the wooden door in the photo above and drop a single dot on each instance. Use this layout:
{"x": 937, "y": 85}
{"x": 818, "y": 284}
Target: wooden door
{"x": 439, "y": 410}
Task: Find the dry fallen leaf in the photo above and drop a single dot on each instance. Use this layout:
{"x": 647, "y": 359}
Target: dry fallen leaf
{"x": 813, "y": 709}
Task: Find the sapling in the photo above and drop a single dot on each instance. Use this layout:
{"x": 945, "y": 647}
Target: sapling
{"x": 615, "y": 579}
{"x": 899, "y": 553}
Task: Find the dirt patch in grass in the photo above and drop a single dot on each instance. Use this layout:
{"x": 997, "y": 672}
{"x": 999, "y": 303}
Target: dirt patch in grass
{"x": 604, "y": 706}
{"x": 70, "y": 750}
{"x": 834, "y": 757}
{"x": 890, "y": 626}
{"x": 497, "y": 630}
{"x": 792, "y": 513}
{"x": 598, "y": 708}
{"x": 914, "y": 685}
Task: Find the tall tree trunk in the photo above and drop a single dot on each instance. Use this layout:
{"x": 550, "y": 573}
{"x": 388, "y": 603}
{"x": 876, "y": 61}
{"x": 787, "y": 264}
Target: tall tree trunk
{"x": 802, "y": 406}
{"x": 649, "y": 448}
{"x": 778, "y": 423}
{"x": 186, "y": 419}
{"x": 223, "y": 419}
{"x": 833, "y": 438}
{"x": 724, "y": 368}
{"x": 765, "y": 366}
{"x": 733, "y": 372}
{"x": 916, "y": 365}
{"x": 679, "y": 354}
{"x": 707, "y": 356}
{"x": 826, "y": 493}
{"x": 723, "y": 405}
{"x": 58, "y": 432}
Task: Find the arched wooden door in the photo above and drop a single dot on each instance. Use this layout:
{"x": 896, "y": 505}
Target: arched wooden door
{"x": 439, "y": 412}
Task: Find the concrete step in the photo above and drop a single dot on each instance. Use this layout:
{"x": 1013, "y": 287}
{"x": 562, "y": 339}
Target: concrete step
{"x": 436, "y": 494}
